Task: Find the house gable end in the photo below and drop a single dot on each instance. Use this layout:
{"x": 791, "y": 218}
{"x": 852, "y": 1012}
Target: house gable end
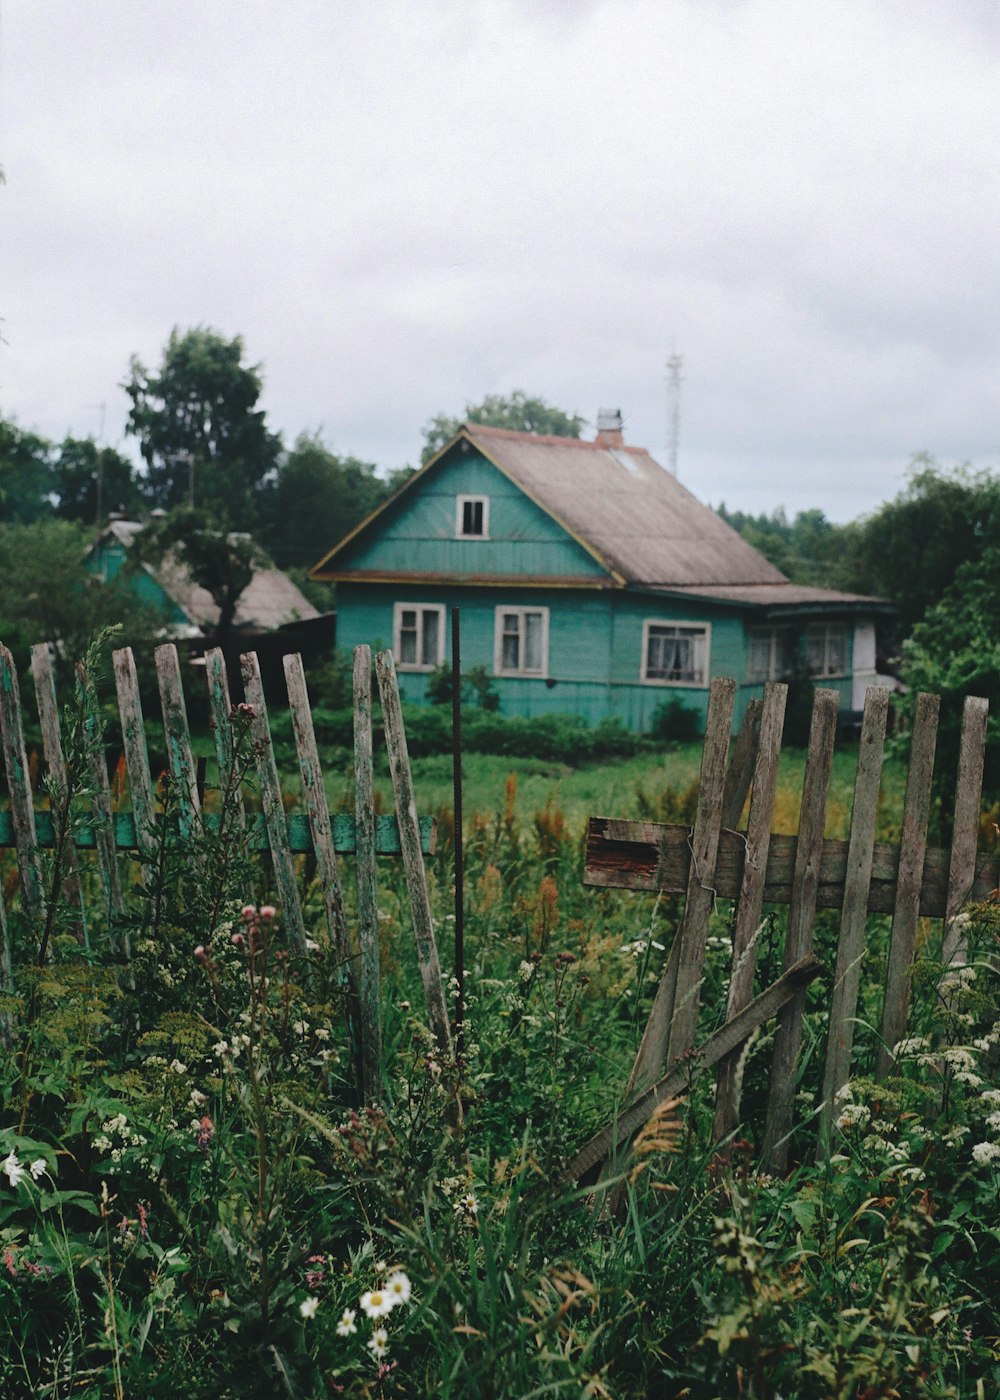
{"x": 420, "y": 532}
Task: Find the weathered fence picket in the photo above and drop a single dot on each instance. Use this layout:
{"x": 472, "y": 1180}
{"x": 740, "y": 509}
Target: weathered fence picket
{"x": 806, "y": 872}
{"x": 112, "y": 834}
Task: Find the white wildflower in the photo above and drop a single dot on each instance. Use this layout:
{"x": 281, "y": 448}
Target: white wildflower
{"x": 376, "y": 1303}
{"x": 985, "y": 1152}
{"x": 14, "y": 1169}
{"x": 347, "y": 1325}
{"x": 398, "y": 1287}
{"x": 308, "y": 1307}
{"x": 378, "y": 1343}
{"x": 38, "y": 1168}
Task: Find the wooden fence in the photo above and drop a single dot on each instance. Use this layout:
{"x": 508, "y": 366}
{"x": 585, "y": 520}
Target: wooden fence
{"x": 716, "y": 859}
{"x": 31, "y": 825}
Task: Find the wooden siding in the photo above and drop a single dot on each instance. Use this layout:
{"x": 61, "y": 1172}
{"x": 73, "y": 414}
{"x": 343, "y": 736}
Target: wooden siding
{"x": 419, "y": 535}
{"x": 107, "y": 560}
{"x": 595, "y": 646}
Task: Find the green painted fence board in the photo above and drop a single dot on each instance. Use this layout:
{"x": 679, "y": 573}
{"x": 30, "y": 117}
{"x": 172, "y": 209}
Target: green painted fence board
{"x": 299, "y": 838}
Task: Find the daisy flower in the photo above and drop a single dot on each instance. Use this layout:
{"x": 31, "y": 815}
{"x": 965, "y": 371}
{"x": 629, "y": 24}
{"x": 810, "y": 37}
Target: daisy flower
{"x": 376, "y": 1303}
{"x": 378, "y": 1343}
{"x": 398, "y": 1287}
{"x": 346, "y": 1325}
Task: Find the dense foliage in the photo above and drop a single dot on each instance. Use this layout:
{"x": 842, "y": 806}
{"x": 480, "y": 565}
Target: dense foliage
{"x": 192, "y": 1200}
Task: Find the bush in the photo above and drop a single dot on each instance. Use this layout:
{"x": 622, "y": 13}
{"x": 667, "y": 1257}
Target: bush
{"x": 674, "y": 721}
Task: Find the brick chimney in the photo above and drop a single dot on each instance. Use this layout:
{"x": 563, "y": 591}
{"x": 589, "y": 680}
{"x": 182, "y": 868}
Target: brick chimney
{"x": 609, "y": 428}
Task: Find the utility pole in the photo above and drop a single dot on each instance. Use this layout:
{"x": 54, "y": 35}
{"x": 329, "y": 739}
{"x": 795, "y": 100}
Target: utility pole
{"x": 674, "y": 365}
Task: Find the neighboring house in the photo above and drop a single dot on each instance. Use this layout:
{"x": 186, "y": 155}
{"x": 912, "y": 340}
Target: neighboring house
{"x": 270, "y": 605}
{"x": 589, "y": 580}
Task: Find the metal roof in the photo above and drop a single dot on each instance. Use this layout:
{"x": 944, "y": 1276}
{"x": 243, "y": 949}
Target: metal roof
{"x": 639, "y": 519}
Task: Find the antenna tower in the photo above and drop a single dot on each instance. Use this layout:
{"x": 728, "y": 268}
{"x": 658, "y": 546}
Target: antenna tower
{"x": 674, "y": 365}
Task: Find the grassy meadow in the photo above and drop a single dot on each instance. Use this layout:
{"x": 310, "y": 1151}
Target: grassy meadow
{"x": 193, "y": 1200}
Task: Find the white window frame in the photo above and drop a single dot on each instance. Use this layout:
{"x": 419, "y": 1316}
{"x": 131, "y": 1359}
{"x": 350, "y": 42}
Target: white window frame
{"x": 778, "y": 633}
{"x": 499, "y": 669}
{"x": 826, "y": 671}
{"x": 460, "y": 503}
{"x": 703, "y": 628}
{"x": 397, "y": 627}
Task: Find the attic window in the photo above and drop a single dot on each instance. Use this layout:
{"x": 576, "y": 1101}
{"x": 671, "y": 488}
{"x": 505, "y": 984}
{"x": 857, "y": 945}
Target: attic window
{"x": 472, "y": 517}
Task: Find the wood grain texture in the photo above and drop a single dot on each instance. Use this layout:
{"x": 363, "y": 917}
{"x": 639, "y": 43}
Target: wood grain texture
{"x": 857, "y": 884}
{"x": 679, "y": 1079}
{"x": 912, "y": 847}
{"x": 140, "y": 781}
{"x": 965, "y": 828}
{"x": 798, "y": 936}
{"x": 274, "y": 811}
{"x": 178, "y": 738}
{"x": 364, "y": 819}
{"x": 22, "y": 812}
{"x": 43, "y": 675}
{"x": 751, "y": 897}
{"x": 102, "y": 818}
{"x": 413, "y": 864}
{"x": 669, "y": 1031}
{"x": 220, "y": 723}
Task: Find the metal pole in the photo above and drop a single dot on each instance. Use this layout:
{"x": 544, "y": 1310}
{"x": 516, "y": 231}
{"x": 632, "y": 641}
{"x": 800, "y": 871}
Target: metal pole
{"x": 456, "y": 751}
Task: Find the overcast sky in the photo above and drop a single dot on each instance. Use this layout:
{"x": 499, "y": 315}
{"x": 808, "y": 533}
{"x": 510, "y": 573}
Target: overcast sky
{"x": 403, "y": 207}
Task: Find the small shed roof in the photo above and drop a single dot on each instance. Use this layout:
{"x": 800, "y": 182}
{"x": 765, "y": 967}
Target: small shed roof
{"x": 269, "y": 601}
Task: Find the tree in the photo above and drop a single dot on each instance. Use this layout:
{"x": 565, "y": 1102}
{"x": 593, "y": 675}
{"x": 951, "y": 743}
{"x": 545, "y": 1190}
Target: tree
{"x": 911, "y": 549}
{"x": 518, "y": 410}
{"x": 809, "y": 549}
{"x": 198, "y": 424}
{"x": 955, "y": 651}
{"x": 25, "y": 475}
{"x": 318, "y": 498}
{"x": 90, "y": 482}
{"x": 46, "y": 595}
{"x": 218, "y": 560}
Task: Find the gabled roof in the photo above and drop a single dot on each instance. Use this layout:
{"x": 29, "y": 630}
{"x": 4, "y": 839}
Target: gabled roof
{"x": 269, "y": 601}
{"x": 638, "y": 518}
{"x": 631, "y": 515}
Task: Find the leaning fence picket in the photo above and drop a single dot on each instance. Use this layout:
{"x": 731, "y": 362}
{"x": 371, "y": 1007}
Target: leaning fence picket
{"x": 220, "y": 709}
{"x": 409, "y": 840}
{"x": 274, "y": 810}
{"x": 912, "y": 846}
{"x": 21, "y": 807}
{"x": 364, "y": 808}
{"x": 102, "y": 816}
{"x": 751, "y": 898}
{"x": 799, "y": 932}
{"x": 853, "y": 919}
{"x": 965, "y": 828}
{"x": 55, "y": 761}
{"x": 178, "y": 738}
{"x": 140, "y": 783}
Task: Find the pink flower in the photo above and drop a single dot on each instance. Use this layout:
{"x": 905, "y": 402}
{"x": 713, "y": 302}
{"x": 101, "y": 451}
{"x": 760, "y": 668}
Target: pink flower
{"x": 267, "y": 911}
{"x": 237, "y": 939}
{"x": 200, "y": 954}
{"x": 314, "y": 1277}
{"x": 248, "y": 912}
{"x": 206, "y": 1132}
{"x": 246, "y": 709}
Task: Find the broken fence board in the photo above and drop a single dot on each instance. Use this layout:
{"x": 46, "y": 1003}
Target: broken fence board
{"x": 725, "y": 1040}
{"x": 634, "y": 855}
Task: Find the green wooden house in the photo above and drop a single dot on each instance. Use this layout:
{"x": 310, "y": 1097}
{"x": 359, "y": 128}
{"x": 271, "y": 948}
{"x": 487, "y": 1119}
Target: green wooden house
{"x": 589, "y": 581}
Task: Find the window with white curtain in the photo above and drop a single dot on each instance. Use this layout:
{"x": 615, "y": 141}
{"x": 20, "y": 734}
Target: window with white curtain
{"x": 418, "y": 636}
{"x": 675, "y": 653}
{"x": 521, "y": 642}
